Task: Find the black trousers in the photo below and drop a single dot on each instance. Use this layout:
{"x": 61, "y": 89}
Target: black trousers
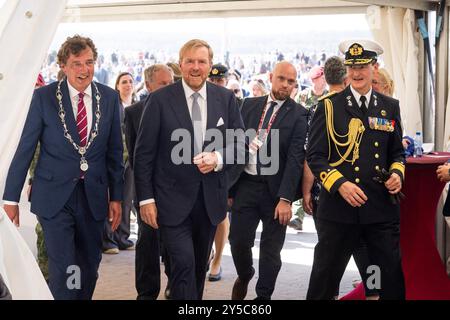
{"x": 73, "y": 239}
{"x": 119, "y": 238}
{"x": 188, "y": 247}
{"x": 253, "y": 203}
{"x": 361, "y": 257}
{"x": 336, "y": 244}
{"x": 147, "y": 262}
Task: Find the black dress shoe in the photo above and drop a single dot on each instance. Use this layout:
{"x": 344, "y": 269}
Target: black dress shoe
{"x": 240, "y": 287}
{"x": 261, "y": 298}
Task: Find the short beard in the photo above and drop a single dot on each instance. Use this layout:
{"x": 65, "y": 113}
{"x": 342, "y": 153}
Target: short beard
{"x": 279, "y": 96}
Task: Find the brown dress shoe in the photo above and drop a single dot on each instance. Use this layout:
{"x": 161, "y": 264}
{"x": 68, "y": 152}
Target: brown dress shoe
{"x": 240, "y": 287}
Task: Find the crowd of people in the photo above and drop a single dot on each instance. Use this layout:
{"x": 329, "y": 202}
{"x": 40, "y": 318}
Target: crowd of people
{"x": 163, "y": 152}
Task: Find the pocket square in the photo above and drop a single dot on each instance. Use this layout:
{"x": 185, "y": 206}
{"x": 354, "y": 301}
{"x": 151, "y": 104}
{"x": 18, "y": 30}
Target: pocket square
{"x": 220, "y": 122}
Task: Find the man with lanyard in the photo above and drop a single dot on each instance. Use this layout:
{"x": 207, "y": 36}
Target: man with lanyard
{"x": 354, "y": 134}
{"x": 270, "y": 181}
{"x": 78, "y": 177}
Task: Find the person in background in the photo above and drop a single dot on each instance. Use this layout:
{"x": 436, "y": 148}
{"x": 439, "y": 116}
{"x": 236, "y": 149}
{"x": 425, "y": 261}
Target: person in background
{"x": 219, "y": 76}
{"x": 149, "y": 246}
{"x": 235, "y": 86}
{"x": 308, "y": 98}
{"x": 443, "y": 174}
{"x": 383, "y": 83}
{"x": 258, "y": 88}
{"x": 176, "y": 70}
{"x": 119, "y": 239}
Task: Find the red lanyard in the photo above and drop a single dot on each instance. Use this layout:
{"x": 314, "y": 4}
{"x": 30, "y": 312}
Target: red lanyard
{"x": 272, "y": 119}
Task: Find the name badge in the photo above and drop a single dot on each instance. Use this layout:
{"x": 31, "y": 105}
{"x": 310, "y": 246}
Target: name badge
{"x": 255, "y": 145}
{"x": 381, "y": 124}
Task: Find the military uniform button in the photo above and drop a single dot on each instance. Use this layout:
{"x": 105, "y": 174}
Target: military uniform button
{"x": 357, "y": 180}
{"x": 377, "y": 155}
{"x": 376, "y": 144}
{"x": 356, "y": 169}
{"x": 377, "y": 167}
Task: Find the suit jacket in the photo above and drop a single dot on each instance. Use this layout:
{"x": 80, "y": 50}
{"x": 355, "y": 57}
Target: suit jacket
{"x": 378, "y": 149}
{"x": 291, "y": 122}
{"x": 58, "y": 167}
{"x": 133, "y": 115}
{"x": 175, "y": 186}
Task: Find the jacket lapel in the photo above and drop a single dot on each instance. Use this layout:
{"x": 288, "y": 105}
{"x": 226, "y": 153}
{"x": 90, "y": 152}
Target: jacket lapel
{"x": 180, "y": 107}
{"x": 212, "y": 112}
{"x": 351, "y": 105}
{"x": 255, "y": 115}
{"x": 284, "y": 110}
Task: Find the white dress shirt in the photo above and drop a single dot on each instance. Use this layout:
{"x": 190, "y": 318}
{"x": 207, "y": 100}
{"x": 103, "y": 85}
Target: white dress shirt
{"x": 357, "y": 96}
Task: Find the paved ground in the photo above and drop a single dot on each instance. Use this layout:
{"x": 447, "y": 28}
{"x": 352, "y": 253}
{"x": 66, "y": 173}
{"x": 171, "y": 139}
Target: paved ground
{"x": 116, "y": 280}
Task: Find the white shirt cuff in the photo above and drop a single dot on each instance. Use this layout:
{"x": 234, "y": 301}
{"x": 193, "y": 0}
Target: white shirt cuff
{"x": 289, "y": 201}
{"x": 11, "y": 203}
{"x": 219, "y": 165}
{"x": 147, "y": 201}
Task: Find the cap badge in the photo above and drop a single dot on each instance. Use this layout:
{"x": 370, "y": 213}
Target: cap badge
{"x": 355, "y": 50}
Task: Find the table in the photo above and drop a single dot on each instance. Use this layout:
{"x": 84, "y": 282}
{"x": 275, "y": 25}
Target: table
{"x": 424, "y": 271}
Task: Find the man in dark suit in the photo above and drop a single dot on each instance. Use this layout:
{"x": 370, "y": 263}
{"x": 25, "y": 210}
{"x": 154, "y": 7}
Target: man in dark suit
{"x": 355, "y": 133}
{"x": 78, "y": 178}
{"x": 181, "y": 187}
{"x": 147, "y": 271}
{"x": 265, "y": 193}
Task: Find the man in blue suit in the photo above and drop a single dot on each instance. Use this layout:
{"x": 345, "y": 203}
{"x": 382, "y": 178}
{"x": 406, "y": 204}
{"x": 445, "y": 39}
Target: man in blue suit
{"x": 78, "y": 178}
{"x": 184, "y": 191}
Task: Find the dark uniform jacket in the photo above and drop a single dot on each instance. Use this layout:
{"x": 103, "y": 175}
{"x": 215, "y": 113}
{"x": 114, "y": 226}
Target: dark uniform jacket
{"x": 379, "y": 148}
{"x": 291, "y": 122}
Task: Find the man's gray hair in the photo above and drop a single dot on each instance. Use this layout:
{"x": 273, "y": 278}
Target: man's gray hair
{"x": 334, "y": 70}
{"x": 150, "y": 71}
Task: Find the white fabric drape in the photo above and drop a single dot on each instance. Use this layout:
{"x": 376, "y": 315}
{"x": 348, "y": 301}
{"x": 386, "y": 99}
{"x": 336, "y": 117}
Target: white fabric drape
{"x": 394, "y": 29}
{"x": 18, "y": 266}
{"x": 27, "y": 28}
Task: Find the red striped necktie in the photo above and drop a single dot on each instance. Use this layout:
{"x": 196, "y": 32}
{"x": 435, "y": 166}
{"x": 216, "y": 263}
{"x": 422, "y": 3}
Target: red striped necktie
{"x": 82, "y": 120}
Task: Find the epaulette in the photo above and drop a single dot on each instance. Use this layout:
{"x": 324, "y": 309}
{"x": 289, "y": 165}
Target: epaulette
{"x": 332, "y": 93}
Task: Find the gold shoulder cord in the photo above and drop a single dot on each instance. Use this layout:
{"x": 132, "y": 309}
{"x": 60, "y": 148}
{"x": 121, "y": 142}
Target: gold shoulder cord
{"x": 354, "y": 136}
